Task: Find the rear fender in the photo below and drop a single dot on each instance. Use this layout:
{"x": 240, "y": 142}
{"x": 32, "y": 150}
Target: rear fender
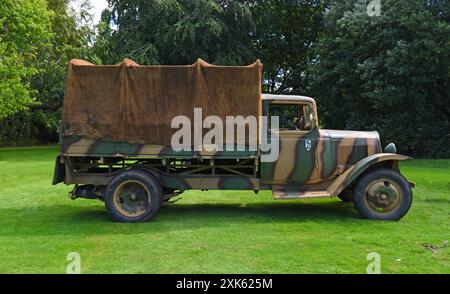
{"x": 353, "y": 173}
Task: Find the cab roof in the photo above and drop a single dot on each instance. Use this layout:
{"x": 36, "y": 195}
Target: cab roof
{"x": 271, "y": 97}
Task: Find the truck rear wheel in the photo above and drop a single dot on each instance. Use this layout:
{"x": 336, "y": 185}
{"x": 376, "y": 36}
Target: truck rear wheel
{"x": 133, "y": 196}
{"x": 382, "y": 194}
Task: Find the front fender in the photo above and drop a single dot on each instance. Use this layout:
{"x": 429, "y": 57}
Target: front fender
{"x": 348, "y": 177}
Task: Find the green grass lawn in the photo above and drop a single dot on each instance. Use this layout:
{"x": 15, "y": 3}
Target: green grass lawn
{"x": 215, "y": 231}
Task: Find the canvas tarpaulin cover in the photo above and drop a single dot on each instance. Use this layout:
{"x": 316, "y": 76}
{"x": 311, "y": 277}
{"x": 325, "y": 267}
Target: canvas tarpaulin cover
{"x": 136, "y": 104}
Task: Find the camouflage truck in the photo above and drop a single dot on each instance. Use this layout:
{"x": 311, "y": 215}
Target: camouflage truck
{"x": 135, "y": 180}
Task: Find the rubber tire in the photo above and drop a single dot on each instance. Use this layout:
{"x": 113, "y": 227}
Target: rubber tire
{"x": 399, "y": 212}
{"x": 146, "y": 179}
{"x": 346, "y": 196}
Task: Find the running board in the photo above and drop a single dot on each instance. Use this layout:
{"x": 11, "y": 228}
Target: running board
{"x": 279, "y": 194}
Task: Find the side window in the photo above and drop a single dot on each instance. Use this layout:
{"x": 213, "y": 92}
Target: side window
{"x": 292, "y": 116}
{"x": 308, "y": 115}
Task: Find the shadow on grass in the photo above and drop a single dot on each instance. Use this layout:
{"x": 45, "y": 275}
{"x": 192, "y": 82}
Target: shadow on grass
{"x": 261, "y": 212}
{"x": 94, "y": 220}
{"x": 437, "y": 200}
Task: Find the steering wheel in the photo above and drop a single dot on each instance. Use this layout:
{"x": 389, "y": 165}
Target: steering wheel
{"x": 299, "y": 123}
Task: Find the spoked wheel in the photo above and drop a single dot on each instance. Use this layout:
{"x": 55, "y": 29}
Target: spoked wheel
{"x": 382, "y": 194}
{"x": 133, "y": 196}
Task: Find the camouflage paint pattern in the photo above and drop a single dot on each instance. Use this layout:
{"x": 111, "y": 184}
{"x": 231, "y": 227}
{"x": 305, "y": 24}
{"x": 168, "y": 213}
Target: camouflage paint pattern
{"x": 314, "y": 163}
{"x": 79, "y": 146}
{"x": 318, "y": 155}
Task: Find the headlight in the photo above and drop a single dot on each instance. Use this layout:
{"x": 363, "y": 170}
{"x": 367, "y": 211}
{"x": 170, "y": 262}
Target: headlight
{"x": 390, "y": 148}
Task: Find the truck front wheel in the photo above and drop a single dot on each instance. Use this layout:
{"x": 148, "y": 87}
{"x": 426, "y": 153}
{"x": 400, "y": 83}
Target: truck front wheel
{"x": 133, "y": 196}
{"x": 382, "y": 194}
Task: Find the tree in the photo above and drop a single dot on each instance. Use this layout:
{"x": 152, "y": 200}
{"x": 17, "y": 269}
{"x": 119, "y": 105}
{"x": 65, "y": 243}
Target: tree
{"x": 388, "y": 73}
{"x": 180, "y": 31}
{"x": 280, "y": 33}
{"x": 73, "y": 33}
{"x": 102, "y": 47}
{"x": 25, "y": 29}
{"x": 440, "y": 9}
{"x": 285, "y": 34}
{"x": 69, "y": 35}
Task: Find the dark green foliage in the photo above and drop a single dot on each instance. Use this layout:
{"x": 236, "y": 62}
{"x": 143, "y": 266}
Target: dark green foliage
{"x": 287, "y": 114}
{"x": 388, "y": 73}
{"x": 285, "y": 33}
{"x": 179, "y": 32}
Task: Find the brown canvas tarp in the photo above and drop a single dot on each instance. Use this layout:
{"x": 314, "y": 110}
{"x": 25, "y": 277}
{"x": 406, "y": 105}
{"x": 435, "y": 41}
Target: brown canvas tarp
{"x": 136, "y": 104}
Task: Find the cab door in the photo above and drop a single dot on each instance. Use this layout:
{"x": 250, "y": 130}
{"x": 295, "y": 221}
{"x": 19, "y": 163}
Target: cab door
{"x": 297, "y": 133}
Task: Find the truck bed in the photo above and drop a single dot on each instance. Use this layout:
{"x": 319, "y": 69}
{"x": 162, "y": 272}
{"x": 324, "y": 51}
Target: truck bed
{"x": 80, "y": 146}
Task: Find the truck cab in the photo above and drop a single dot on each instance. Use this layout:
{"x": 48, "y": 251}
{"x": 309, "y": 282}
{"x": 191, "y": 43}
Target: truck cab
{"x": 308, "y": 154}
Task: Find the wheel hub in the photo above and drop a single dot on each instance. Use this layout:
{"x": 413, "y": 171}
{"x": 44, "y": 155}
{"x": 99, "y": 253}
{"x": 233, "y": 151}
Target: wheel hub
{"x": 382, "y": 195}
{"x": 131, "y": 198}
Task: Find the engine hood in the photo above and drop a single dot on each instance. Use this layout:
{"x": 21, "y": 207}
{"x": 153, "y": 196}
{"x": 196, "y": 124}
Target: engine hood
{"x": 339, "y": 135}
{"x": 350, "y": 146}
